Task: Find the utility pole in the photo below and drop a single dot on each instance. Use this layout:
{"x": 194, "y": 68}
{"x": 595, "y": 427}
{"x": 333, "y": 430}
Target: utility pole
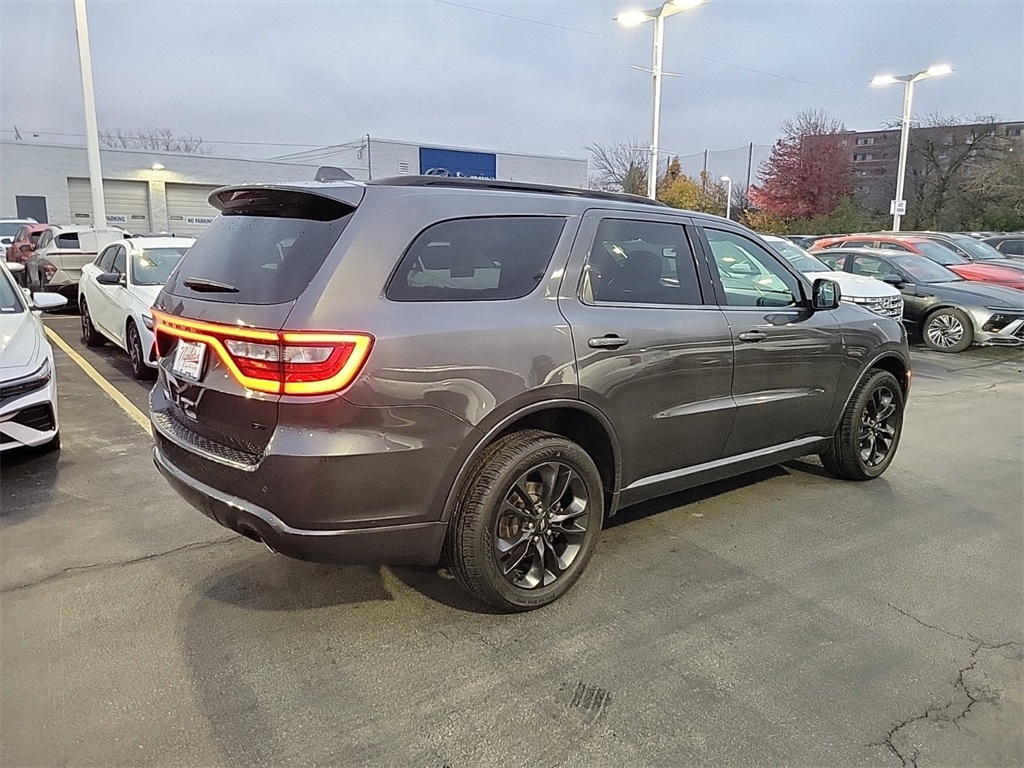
{"x": 750, "y": 161}
{"x": 92, "y": 139}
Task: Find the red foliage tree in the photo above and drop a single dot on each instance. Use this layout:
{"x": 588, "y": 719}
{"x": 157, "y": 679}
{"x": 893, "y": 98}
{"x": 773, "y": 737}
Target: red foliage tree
{"x": 808, "y": 171}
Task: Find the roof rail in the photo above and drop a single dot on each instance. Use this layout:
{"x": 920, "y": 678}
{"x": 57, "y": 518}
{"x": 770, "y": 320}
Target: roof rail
{"x": 455, "y": 182}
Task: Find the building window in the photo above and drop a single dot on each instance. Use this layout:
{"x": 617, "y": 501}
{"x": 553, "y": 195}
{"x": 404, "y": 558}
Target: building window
{"x": 862, "y": 158}
{"x": 864, "y": 141}
{"x": 1014, "y": 130}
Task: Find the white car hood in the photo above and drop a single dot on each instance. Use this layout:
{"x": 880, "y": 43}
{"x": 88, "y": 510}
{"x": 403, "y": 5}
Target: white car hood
{"x": 856, "y": 285}
{"x": 146, "y": 293}
{"x": 20, "y": 345}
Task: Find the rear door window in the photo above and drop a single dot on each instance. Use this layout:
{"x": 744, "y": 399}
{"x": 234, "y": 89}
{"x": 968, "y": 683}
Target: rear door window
{"x": 69, "y": 240}
{"x": 264, "y": 249}
{"x": 477, "y": 259}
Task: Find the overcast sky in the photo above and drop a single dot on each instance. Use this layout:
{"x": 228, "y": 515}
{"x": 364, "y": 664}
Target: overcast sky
{"x": 317, "y": 73}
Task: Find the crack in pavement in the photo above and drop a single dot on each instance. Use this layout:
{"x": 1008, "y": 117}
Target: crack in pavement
{"x": 942, "y": 712}
{"x": 74, "y": 569}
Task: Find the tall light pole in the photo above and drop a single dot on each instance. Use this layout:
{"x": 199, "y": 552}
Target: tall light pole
{"x": 658, "y": 16}
{"x": 92, "y": 140}
{"x": 899, "y": 205}
{"x": 728, "y": 197}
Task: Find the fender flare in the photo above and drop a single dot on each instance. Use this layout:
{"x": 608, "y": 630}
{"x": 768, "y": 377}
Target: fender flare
{"x": 488, "y": 436}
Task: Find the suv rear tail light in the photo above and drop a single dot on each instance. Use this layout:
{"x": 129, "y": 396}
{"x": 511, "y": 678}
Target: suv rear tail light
{"x": 278, "y": 362}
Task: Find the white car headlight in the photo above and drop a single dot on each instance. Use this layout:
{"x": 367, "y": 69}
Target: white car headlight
{"x": 147, "y": 320}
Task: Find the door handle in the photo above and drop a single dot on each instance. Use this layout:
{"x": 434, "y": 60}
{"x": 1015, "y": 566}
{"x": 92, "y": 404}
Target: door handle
{"x": 609, "y": 341}
{"x": 753, "y": 336}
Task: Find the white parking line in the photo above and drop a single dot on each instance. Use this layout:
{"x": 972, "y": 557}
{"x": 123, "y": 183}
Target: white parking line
{"x": 126, "y": 405}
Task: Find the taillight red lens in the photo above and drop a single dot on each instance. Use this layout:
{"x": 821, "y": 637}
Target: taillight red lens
{"x": 279, "y": 362}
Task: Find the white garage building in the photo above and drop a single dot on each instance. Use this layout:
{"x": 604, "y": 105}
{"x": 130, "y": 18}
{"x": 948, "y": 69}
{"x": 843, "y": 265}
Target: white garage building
{"x": 51, "y": 183}
{"x": 160, "y": 191}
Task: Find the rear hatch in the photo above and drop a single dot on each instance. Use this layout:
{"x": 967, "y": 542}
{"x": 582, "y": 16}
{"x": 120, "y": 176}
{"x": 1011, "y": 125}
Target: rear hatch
{"x": 219, "y": 317}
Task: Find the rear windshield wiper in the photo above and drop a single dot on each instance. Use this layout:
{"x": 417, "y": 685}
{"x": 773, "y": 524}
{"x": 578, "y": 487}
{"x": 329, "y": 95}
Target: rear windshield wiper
{"x": 203, "y": 285}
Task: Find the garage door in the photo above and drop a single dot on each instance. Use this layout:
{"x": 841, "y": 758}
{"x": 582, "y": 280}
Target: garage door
{"x": 187, "y": 209}
{"x": 127, "y": 203}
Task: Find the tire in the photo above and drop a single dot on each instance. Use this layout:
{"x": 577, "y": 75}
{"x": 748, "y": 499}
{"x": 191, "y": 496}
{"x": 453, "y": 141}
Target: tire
{"x": 860, "y": 430}
{"x": 137, "y": 356}
{"x": 90, "y": 336}
{"x": 500, "y": 525}
{"x": 947, "y": 330}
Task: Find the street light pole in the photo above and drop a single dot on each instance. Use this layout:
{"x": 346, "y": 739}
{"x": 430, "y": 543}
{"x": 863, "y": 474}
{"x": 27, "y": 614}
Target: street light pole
{"x": 728, "y": 197}
{"x": 901, "y": 172}
{"x": 92, "y": 141}
{"x": 936, "y": 70}
{"x": 657, "y": 15}
{"x": 659, "y": 45}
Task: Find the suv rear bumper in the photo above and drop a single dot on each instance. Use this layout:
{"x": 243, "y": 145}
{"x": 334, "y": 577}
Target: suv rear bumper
{"x": 415, "y": 543}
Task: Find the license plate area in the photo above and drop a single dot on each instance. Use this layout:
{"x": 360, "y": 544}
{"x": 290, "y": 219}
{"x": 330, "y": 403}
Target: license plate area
{"x": 189, "y": 357}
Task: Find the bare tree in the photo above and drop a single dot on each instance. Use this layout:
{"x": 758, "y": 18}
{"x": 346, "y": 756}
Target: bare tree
{"x": 155, "y": 139}
{"x": 945, "y": 152}
{"x": 619, "y": 166}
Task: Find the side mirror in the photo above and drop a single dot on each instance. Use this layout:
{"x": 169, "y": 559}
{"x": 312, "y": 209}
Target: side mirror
{"x": 25, "y": 248}
{"x": 824, "y": 294}
{"x": 14, "y": 267}
{"x": 893, "y": 279}
{"x": 45, "y": 301}
{"x": 111, "y": 278}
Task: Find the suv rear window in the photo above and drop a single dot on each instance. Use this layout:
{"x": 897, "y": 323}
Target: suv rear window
{"x": 264, "y": 248}
{"x": 477, "y": 259}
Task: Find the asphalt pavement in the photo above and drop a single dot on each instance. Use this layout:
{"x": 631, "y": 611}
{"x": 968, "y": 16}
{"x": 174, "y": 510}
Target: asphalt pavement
{"x": 781, "y": 618}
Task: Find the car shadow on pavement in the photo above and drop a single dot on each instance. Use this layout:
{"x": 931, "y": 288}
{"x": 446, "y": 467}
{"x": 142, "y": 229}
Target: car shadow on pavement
{"x": 270, "y": 582}
{"x": 691, "y": 496}
{"x": 437, "y": 583}
{"x": 28, "y": 478}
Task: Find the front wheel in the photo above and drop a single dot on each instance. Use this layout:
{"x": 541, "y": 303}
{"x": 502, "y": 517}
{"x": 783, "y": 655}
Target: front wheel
{"x": 869, "y": 432}
{"x": 948, "y": 330}
{"x": 527, "y": 521}
{"x": 140, "y": 370}
{"x": 90, "y": 336}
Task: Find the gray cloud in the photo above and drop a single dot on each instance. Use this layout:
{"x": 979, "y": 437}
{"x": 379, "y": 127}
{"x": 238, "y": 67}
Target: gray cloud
{"x": 326, "y": 72}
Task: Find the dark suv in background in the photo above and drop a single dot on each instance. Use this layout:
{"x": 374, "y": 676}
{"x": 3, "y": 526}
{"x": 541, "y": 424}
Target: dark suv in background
{"x": 385, "y": 371}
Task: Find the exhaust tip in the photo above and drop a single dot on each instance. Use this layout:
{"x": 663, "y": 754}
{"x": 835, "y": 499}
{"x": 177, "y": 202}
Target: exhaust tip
{"x": 251, "y": 533}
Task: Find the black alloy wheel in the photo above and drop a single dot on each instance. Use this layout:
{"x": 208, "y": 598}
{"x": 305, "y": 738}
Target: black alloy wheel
{"x": 541, "y": 526}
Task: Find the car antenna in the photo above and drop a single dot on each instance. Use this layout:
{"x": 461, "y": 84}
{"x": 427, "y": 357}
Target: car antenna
{"x": 330, "y": 173}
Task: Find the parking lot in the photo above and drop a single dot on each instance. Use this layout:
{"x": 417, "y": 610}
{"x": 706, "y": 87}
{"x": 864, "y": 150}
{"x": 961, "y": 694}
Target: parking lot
{"x": 782, "y": 618}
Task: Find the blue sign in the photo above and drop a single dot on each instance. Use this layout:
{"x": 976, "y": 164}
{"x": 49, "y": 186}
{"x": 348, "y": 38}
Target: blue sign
{"x": 458, "y": 163}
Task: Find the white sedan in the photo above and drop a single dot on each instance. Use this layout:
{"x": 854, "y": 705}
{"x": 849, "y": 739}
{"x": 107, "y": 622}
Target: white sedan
{"x": 117, "y": 290}
{"x": 28, "y": 387}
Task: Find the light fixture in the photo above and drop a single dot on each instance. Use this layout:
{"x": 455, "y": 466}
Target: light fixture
{"x": 633, "y": 18}
{"x": 937, "y": 70}
{"x": 158, "y": 166}
{"x": 884, "y": 80}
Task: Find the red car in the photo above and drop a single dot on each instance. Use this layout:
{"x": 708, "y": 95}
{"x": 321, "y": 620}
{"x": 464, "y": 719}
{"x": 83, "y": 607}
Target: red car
{"x": 980, "y": 272}
{"x": 24, "y": 244}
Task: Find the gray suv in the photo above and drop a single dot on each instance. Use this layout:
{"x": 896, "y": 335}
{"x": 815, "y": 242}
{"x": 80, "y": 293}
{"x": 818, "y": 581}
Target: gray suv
{"x": 410, "y": 368}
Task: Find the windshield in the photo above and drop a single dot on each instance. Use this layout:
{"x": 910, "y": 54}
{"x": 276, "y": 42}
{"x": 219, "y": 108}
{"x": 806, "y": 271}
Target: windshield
{"x": 924, "y": 270}
{"x": 976, "y": 248}
{"x": 154, "y": 265}
{"x": 799, "y": 258}
{"x": 10, "y": 228}
{"x": 10, "y": 295}
{"x": 938, "y": 253}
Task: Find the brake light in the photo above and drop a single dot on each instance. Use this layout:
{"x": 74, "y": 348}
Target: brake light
{"x": 278, "y": 362}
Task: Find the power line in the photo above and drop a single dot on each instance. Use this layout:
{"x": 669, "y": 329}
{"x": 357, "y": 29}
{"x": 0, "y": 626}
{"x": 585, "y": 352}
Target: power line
{"x": 522, "y": 18}
{"x": 205, "y": 141}
{"x": 687, "y": 53}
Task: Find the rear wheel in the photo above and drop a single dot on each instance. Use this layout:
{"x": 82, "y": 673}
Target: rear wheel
{"x": 140, "y": 370}
{"x": 90, "y": 335}
{"x": 948, "y": 330}
{"x": 527, "y": 521}
{"x": 869, "y": 432}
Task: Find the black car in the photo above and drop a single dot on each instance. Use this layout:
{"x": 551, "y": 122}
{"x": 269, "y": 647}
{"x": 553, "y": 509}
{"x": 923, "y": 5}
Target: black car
{"x": 1011, "y": 245}
{"x": 949, "y": 312}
